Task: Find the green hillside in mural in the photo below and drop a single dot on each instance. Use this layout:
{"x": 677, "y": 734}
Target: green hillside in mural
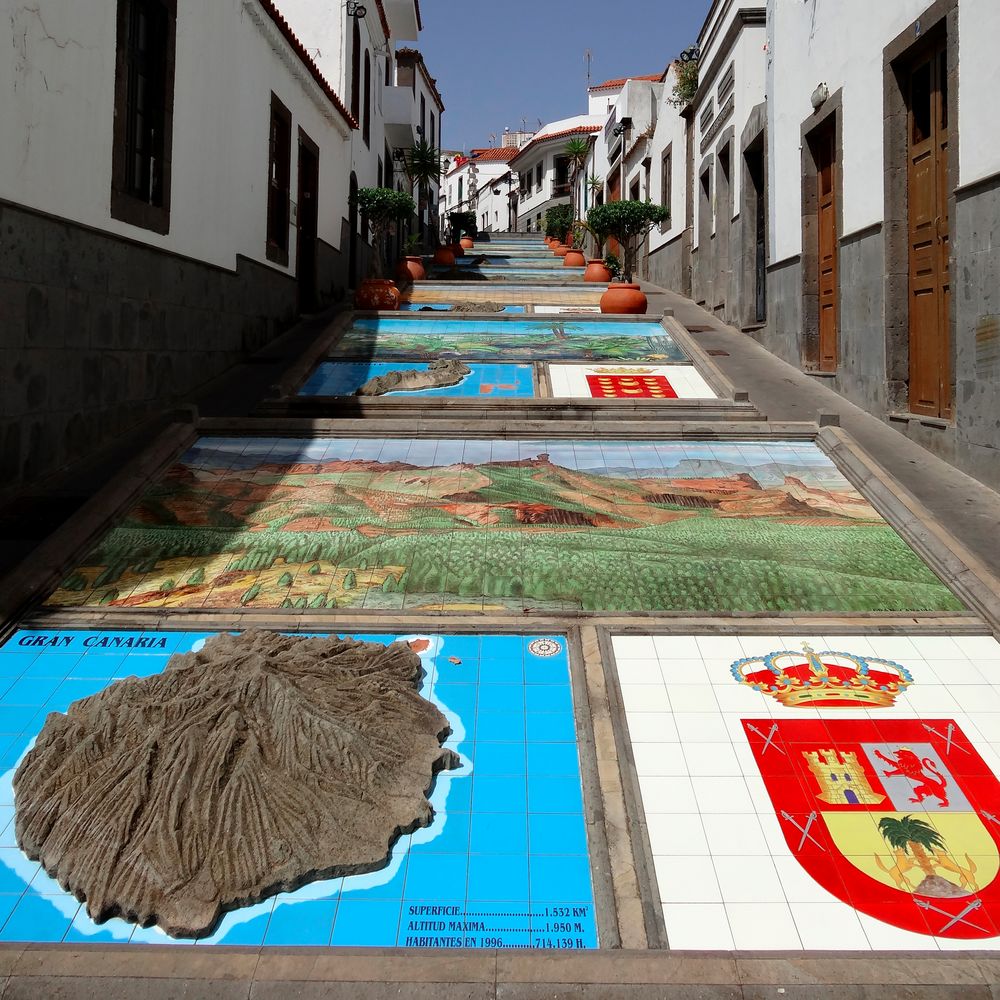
{"x": 545, "y": 344}
{"x": 343, "y": 531}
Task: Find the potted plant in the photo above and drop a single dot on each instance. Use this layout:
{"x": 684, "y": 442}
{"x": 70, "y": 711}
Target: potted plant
{"x": 422, "y": 165}
{"x": 411, "y": 267}
{"x": 559, "y": 226}
{"x": 629, "y": 222}
{"x": 464, "y": 230}
{"x": 382, "y": 207}
{"x": 577, "y": 152}
{"x": 597, "y": 270}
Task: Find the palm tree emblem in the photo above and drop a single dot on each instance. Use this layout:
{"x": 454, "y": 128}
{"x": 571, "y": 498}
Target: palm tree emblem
{"x": 916, "y": 844}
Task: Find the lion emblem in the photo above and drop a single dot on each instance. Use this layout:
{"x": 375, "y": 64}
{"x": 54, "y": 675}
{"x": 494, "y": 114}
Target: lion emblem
{"x": 928, "y": 782}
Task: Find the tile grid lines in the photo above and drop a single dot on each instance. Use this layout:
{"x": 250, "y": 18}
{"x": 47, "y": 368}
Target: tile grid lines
{"x": 835, "y": 911}
{"x": 270, "y": 912}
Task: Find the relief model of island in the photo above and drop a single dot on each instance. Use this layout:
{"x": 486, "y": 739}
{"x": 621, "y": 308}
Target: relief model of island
{"x": 507, "y": 340}
{"x": 505, "y": 525}
{"x": 256, "y": 765}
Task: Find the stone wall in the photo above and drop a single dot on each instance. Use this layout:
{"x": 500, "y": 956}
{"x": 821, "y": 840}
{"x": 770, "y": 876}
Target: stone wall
{"x": 100, "y": 334}
{"x": 976, "y": 299}
{"x": 782, "y": 332}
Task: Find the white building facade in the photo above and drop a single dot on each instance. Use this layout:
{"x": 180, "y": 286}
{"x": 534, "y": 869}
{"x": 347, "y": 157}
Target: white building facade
{"x": 175, "y": 193}
{"x": 836, "y": 170}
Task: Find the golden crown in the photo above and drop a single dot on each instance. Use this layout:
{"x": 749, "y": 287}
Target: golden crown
{"x": 625, "y": 371}
{"x": 824, "y": 680}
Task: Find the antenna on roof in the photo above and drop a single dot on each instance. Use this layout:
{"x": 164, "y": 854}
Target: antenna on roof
{"x": 589, "y": 56}
{"x": 493, "y": 138}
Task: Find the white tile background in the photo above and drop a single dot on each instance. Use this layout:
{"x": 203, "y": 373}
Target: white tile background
{"x": 570, "y": 381}
{"x": 726, "y": 876}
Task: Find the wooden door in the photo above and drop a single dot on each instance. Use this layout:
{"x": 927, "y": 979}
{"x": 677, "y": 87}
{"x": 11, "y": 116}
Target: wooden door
{"x": 305, "y": 267}
{"x": 927, "y": 198}
{"x": 825, "y": 148}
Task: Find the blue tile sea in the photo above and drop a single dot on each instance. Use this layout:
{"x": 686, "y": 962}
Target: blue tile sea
{"x": 344, "y": 378}
{"x": 503, "y": 865}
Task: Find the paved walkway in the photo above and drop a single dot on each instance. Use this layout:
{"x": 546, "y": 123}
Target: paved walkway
{"x": 664, "y": 706}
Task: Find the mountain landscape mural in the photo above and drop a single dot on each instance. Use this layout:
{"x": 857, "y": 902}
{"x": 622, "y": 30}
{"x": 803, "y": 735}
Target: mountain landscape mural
{"x": 504, "y": 525}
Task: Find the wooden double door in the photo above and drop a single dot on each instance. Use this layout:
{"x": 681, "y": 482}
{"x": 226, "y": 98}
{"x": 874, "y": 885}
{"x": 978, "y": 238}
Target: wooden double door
{"x": 824, "y": 147}
{"x": 930, "y": 390}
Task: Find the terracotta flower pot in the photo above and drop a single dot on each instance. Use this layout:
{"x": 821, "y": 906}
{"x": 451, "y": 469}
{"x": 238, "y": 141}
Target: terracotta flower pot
{"x": 411, "y": 269}
{"x": 574, "y": 258}
{"x": 377, "y": 294}
{"x": 444, "y": 257}
{"x": 561, "y": 250}
{"x": 597, "y": 271}
{"x": 467, "y": 242}
{"x": 624, "y": 300}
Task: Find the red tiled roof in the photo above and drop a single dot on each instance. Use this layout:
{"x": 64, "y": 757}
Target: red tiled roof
{"x": 622, "y": 80}
{"x": 383, "y": 18}
{"x": 579, "y": 130}
{"x": 307, "y": 60}
{"x": 495, "y": 154}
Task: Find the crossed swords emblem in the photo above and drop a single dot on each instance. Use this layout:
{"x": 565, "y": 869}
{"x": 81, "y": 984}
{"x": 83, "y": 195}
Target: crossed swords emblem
{"x": 805, "y": 828}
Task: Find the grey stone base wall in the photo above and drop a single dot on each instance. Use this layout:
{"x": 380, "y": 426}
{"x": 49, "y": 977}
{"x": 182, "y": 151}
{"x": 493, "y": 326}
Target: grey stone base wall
{"x": 976, "y": 295}
{"x": 100, "y": 334}
{"x": 782, "y": 333}
{"x": 972, "y": 441}
{"x": 667, "y": 267}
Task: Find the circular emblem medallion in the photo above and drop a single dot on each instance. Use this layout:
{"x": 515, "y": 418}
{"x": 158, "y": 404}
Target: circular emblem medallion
{"x": 544, "y": 647}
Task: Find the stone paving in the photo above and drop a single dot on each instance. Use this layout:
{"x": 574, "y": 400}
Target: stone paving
{"x": 716, "y": 686}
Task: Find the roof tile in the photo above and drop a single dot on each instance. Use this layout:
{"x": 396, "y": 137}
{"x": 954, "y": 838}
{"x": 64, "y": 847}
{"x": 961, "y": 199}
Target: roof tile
{"x": 307, "y": 60}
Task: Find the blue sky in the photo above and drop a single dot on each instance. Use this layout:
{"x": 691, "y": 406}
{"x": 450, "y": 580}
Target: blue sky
{"x": 499, "y": 62}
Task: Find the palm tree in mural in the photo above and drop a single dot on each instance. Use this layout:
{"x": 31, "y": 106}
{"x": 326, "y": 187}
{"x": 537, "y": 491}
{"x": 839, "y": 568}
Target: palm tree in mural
{"x": 576, "y": 151}
{"x": 914, "y": 837}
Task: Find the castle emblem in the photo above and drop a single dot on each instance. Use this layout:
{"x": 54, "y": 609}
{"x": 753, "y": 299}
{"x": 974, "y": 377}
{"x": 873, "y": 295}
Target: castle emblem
{"x": 841, "y": 778}
{"x": 898, "y": 818}
{"x": 824, "y": 680}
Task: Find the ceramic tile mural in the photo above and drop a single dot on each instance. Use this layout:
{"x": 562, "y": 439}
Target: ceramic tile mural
{"x": 566, "y": 310}
{"x": 503, "y": 525}
{"x": 628, "y": 382}
{"x": 344, "y": 378}
{"x": 819, "y": 792}
{"x": 506, "y": 340}
{"x": 504, "y": 863}
{"x": 445, "y": 307}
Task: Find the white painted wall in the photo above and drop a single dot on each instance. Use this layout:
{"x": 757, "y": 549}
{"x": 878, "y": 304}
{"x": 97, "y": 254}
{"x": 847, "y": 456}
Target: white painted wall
{"x": 57, "y": 99}
{"x": 326, "y": 34}
{"x": 979, "y": 89}
{"x": 749, "y": 59}
{"x": 670, "y": 131}
{"x": 841, "y": 45}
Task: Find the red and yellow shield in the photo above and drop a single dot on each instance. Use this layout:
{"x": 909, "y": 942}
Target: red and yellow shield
{"x": 630, "y": 387}
{"x": 898, "y": 818}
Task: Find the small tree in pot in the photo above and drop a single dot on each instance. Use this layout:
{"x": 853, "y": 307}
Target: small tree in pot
{"x": 559, "y": 222}
{"x": 381, "y": 208}
{"x": 629, "y": 222}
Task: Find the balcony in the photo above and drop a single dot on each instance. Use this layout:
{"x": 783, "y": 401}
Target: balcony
{"x": 399, "y": 109}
